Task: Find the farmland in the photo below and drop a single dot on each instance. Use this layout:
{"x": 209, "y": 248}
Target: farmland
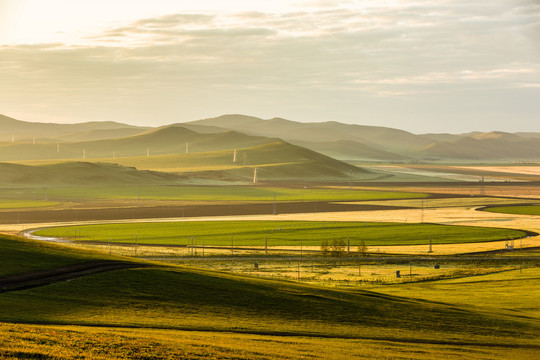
{"x": 519, "y": 210}
{"x": 279, "y": 233}
{"x": 219, "y": 193}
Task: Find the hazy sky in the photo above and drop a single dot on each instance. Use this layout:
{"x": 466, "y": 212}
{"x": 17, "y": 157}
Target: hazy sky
{"x": 418, "y": 65}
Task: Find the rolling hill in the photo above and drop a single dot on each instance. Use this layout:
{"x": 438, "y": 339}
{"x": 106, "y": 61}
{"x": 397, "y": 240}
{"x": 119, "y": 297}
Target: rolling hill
{"x": 384, "y": 138}
{"x": 483, "y": 147}
{"x": 78, "y": 174}
{"x": 178, "y": 301}
{"x": 160, "y": 141}
{"x": 12, "y": 129}
{"x": 358, "y": 142}
{"x": 350, "y": 150}
{"x": 277, "y": 160}
{"x": 21, "y": 140}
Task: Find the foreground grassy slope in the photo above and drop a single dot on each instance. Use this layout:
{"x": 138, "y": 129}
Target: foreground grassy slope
{"x": 204, "y": 300}
{"x": 18, "y": 255}
{"x": 242, "y": 318}
{"x": 104, "y": 343}
{"x": 281, "y": 233}
{"x": 486, "y": 292}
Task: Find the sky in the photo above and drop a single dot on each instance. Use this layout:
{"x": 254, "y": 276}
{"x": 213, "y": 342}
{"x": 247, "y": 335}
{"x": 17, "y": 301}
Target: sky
{"x": 444, "y": 66}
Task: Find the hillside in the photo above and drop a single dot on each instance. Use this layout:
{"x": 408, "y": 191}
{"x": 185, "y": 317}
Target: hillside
{"x": 375, "y": 136}
{"x": 21, "y": 141}
{"x": 12, "y": 129}
{"x": 210, "y": 303}
{"x": 276, "y": 160}
{"x": 349, "y": 150}
{"x": 77, "y": 173}
{"x": 482, "y": 147}
{"x": 159, "y": 141}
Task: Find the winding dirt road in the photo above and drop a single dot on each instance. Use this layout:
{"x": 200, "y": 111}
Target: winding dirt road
{"x": 450, "y": 215}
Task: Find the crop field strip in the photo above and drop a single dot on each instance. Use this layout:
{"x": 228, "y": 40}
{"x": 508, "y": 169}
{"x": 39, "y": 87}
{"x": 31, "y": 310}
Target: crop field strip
{"x": 517, "y": 210}
{"x": 217, "y": 193}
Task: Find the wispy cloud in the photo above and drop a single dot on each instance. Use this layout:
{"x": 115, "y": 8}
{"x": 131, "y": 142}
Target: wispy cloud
{"x": 267, "y": 63}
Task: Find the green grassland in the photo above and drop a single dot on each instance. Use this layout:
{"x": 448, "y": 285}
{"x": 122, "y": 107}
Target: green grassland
{"x": 19, "y": 255}
{"x": 517, "y": 210}
{"x": 209, "y": 301}
{"x": 20, "y": 204}
{"x": 275, "y": 161}
{"x": 218, "y": 193}
{"x": 279, "y": 233}
{"x": 188, "y": 313}
{"x": 450, "y": 202}
{"x": 522, "y": 286}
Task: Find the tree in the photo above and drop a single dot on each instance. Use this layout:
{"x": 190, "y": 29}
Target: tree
{"x": 324, "y": 247}
{"x": 338, "y": 247}
{"x": 362, "y": 248}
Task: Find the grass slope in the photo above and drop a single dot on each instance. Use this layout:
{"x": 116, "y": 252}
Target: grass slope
{"x": 204, "y": 300}
{"x": 239, "y": 318}
{"x": 28, "y": 130}
{"x": 276, "y": 160}
{"x": 485, "y": 291}
{"x": 19, "y": 255}
{"x": 379, "y": 137}
{"x": 349, "y": 150}
{"x": 160, "y": 141}
{"x": 77, "y": 174}
{"x": 483, "y": 147}
{"x": 279, "y": 233}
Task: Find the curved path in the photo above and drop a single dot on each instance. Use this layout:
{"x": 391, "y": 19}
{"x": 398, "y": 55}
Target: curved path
{"x": 449, "y": 215}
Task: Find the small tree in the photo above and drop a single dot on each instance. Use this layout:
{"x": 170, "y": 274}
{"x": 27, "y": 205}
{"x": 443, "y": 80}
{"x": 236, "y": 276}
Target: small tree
{"x": 324, "y": 248}
{"x": 338, "y": 247}
{"x": 362, "y": 248}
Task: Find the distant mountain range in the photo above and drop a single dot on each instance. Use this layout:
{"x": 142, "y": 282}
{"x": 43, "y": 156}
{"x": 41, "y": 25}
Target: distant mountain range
{"x": 360, "y": 142}
{"x": 21, "y": 140}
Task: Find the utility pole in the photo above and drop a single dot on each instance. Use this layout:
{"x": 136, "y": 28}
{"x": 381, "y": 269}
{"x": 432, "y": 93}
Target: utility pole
{"x": 255, "y": 176}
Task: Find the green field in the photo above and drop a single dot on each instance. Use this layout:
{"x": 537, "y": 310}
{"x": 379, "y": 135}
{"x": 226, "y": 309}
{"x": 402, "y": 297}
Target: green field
{"x": 220, "y": 193}
{"x": 523, "y": 284}
{"x": 279, "y": 233}
{"x": 20, "y": 204}
{"x": 518, "y": 210}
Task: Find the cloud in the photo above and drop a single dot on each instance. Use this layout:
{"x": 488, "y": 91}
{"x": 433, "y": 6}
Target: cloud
{"x": 330, "y": 55}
